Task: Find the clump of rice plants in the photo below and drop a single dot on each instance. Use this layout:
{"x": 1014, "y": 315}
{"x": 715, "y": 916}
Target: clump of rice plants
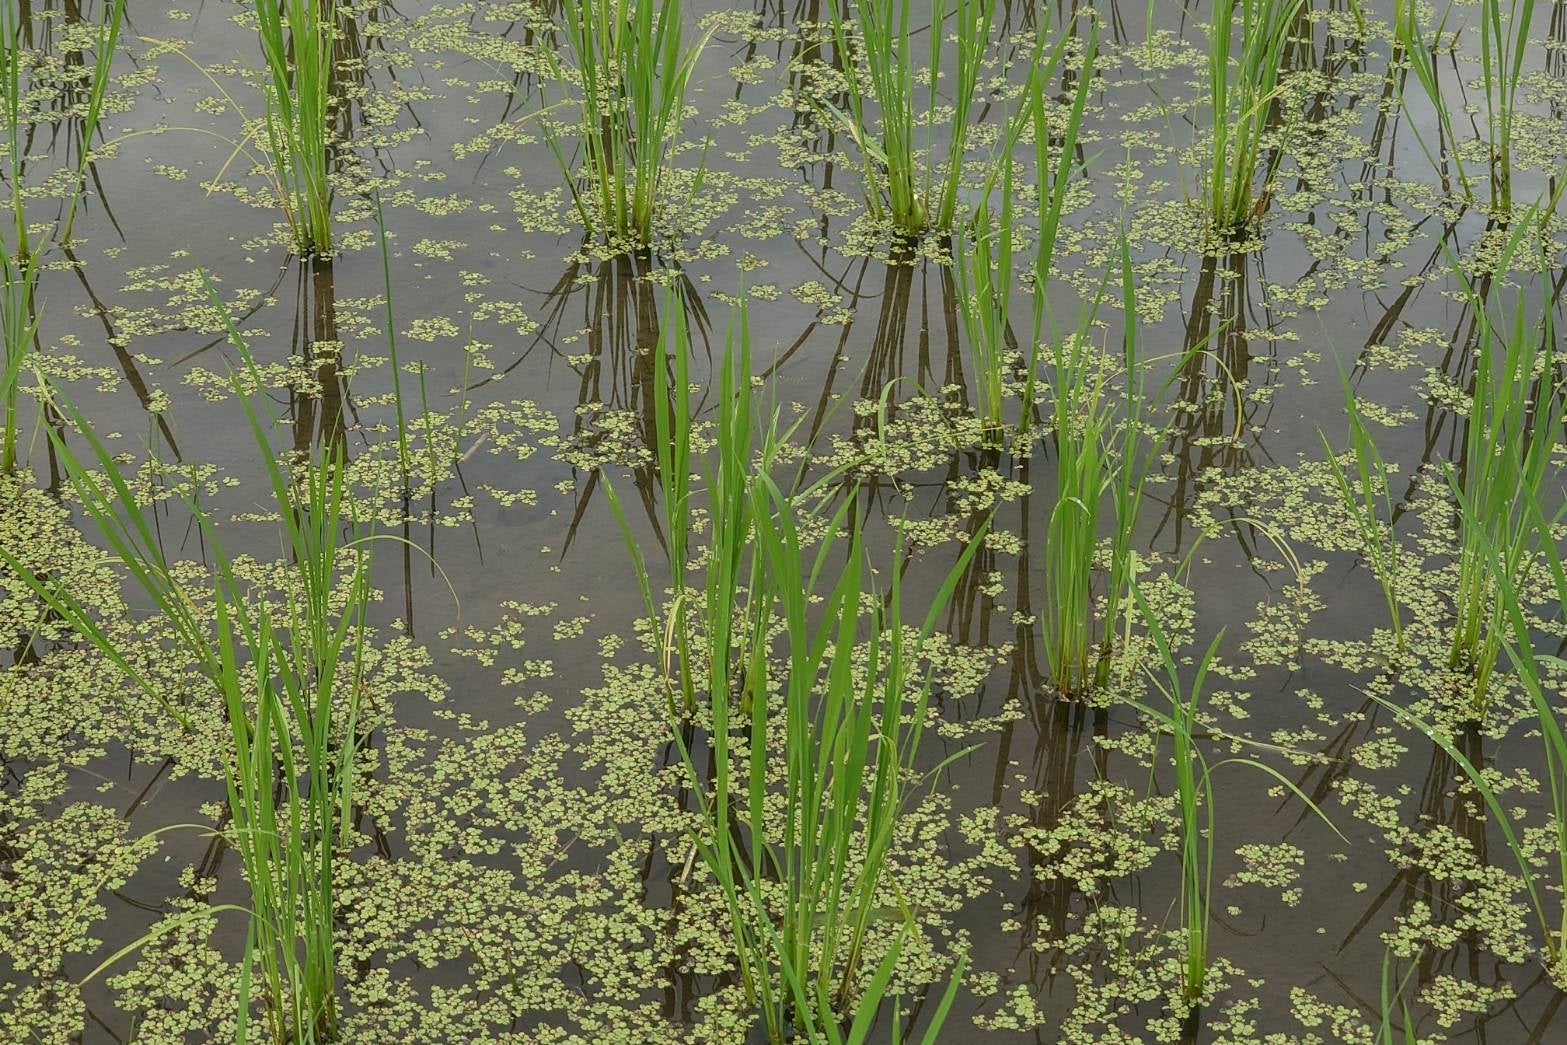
{"x": 832, "y": 730}
{"x": 982, "y": 253}
{"x": 1091, "y": 464}
{"x": 850, "y": 746}
{"x": 297, "y": 42}
{"x": 1083, "y": 415}
{"x": 289, "y": 680}
{"x": 911, "y": 170}
{"x": 1514, "y": 407}
{"x": 1504, "y": 38}
{"x": 881, "y": 32}
{"x": 1243, "y": 90}
{"x": 983, "y": 278}
{"x": 630, "y": 68}
{"x": 1503, "y": 44}
{"x": 22, "y": 247}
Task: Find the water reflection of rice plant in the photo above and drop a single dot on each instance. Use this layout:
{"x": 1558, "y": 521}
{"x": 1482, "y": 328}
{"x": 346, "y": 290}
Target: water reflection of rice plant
{"x": 1451, "y": 821}
{"x": 602, "y": 319}
{"x": 1217, "y": 402}
{"x": 1366, "y": 491}
{"x": 317, "y": 409}
{"x": 1542, "y": 862}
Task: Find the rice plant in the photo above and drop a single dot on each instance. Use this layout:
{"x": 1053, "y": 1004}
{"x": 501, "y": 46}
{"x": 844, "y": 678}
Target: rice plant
{"x": 297, "y": 41}
{"x": 982, "y": 253}
{"x": 18, "y": 326}
{"x": 1503, "y": 43}
{"x": 672, "y": 434}
{"x": 983, "y": 277}
{"x": 1507, "y": 457}
{"x": 1504, "y": 38}
{"x": 289, "y": 680}
{"x": 1130, "y": 468}
{"x": 1392, "y": 992}
{"x": 1091, "y": 464}
{"x": 391, "y": 351}
{"x": 1528, "y": 664}
{"x": 631, "y": 67}
{"x": 1418, "y": 47}
{"x": 1243, "y": 90}
{"x": 849, "y": 717}
{"x": 1194, "y": 799}
{"x": 912, "y": 171}
{"x": 22, "y": 247}
{"x": 1535, "y": 857}
{"x": 1182, "y": 719}
{"x": 1366, "y": 497}
{"x": 18, "y": 262}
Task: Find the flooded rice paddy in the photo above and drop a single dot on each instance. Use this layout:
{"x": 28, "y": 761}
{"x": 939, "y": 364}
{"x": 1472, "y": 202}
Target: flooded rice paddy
{"x": 1271, "y": 759}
